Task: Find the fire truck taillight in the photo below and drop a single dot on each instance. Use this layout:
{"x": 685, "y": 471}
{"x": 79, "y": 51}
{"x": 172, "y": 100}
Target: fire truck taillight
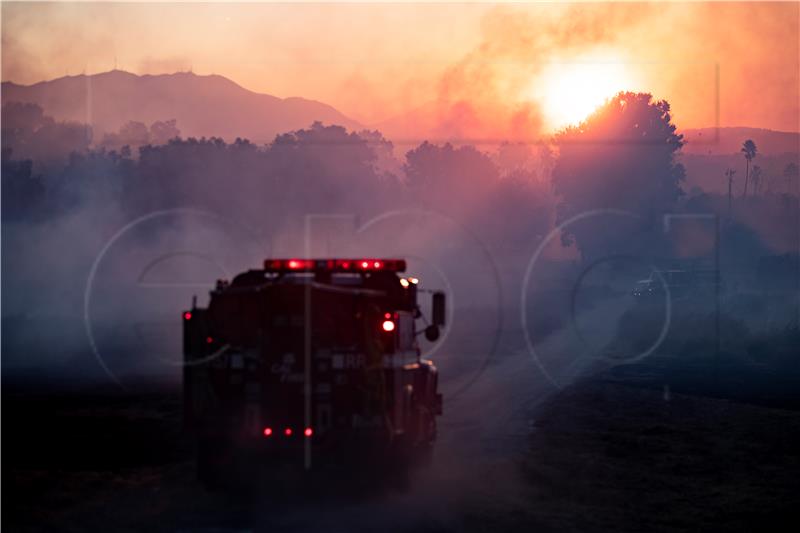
{"x": 388, "y": 325}
{"x": 267, "y": 432}
{"x": 287, "y": 432}
{"x": 187, "y": 315}
{"x": 308, "y": 432}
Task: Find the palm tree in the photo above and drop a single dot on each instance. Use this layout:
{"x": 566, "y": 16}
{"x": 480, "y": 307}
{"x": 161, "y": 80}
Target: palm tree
{"x": 749, "y": 150}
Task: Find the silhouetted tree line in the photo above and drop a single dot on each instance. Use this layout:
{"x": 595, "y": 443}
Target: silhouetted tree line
{"x": 621, "y": 159}
{"x": 22, "y": 192}
{"x": 135, "y": 134}
{"x": 321, "y": 169}
{"x": 32, "y": 135}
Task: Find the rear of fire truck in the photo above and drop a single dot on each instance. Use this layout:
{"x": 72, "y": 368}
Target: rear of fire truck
{"x": 310, "y": 364}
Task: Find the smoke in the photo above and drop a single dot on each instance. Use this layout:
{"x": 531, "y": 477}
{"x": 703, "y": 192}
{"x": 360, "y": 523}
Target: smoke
{"x": 61, "y": 32}
{"x": 486, "y": 96}
{"x": 494, "y": 91}
{"x": 457, "y": 70}
{"x": 165, "y": 64}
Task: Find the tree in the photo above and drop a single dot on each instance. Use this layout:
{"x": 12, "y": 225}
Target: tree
{"x": 430, "y": 165}
{"x": 622, "y": 157}
{"x": 386, "y": 164}
{"x": 33, "y": 135}
{"x": 20, "y": 121}
{"x": 452, "y": 179}
{"x": 466, "y": 184}
{"x": 22, "y": 192}
{"x": 162, "y": 131}
{"x": 323, "y": 157}
{"x": 749, "y": 150}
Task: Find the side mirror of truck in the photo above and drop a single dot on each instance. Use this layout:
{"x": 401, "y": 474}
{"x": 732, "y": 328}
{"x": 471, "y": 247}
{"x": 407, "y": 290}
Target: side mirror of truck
{"x": 432, "y": 333}
{"x": 438, "y": 312}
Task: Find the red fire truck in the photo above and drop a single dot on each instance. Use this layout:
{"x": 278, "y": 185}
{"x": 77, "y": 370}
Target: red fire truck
{"x": 308, "y": 363}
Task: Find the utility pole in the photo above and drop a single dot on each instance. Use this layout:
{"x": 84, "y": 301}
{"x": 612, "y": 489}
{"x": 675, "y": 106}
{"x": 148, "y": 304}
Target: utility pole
{"x": 729, "y": 173}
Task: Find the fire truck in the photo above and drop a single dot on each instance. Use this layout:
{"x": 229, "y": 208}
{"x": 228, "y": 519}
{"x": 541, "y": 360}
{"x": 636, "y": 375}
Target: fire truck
{"x": 310, "y": 363}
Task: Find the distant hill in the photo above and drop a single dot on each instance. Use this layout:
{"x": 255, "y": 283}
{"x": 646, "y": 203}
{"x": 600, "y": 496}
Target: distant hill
{"x": 723, "y": 141}
{"x": 429, "y": 123}
{"x": 202, "y": 105}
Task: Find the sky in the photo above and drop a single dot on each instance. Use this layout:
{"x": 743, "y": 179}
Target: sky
{"x": 491, "y": 67}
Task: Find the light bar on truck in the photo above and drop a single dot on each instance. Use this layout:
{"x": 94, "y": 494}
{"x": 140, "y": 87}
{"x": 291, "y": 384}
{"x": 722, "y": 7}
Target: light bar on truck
{"x": 335, "y": 265}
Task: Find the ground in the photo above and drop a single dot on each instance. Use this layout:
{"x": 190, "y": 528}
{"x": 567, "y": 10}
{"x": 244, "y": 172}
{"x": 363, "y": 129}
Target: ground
{"x": 607, "y": 456}
{"x": 603, "y": 455}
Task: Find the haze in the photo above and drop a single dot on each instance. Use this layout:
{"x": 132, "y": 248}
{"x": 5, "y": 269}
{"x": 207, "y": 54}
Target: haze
{"x": 380, "y": 63}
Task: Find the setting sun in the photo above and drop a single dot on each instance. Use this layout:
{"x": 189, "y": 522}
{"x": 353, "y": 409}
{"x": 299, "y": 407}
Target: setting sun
{"x": 569, "y": 92}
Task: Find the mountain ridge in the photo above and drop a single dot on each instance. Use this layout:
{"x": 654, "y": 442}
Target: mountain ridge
{"x": 729, "y": 139}
{"x": 213, "y": 105}
{"x": 202, "y": 105}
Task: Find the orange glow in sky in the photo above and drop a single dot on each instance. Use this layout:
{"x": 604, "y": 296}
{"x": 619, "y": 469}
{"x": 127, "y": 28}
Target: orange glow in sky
{"x": 466, "y": 69}
{"x": 569, "y": 92}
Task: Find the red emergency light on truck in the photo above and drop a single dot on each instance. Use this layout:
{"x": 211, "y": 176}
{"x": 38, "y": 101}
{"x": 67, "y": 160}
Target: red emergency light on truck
{"x": 308, "y": 362}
